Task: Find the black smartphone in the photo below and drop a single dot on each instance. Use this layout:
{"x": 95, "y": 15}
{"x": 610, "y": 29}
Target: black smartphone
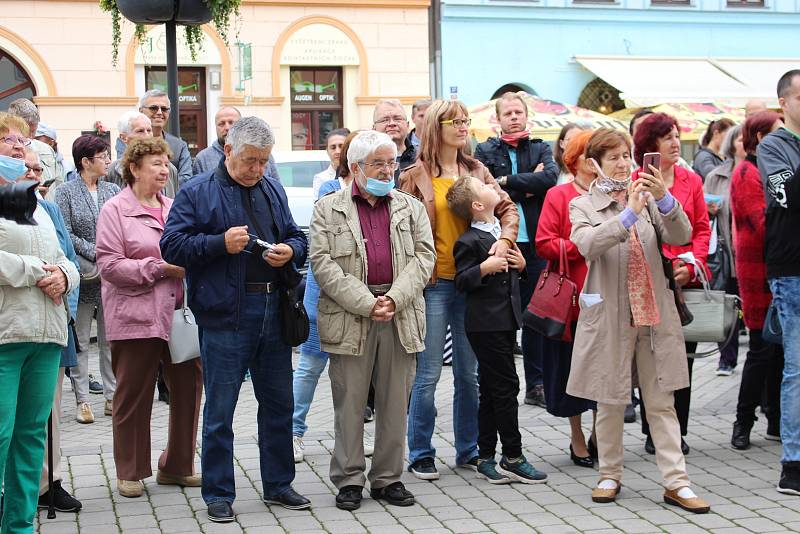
{"x": 49, "y": 182}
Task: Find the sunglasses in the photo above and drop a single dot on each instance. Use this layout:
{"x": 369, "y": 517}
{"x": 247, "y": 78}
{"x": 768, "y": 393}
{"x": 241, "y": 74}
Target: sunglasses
{"x": 155, "y": 109}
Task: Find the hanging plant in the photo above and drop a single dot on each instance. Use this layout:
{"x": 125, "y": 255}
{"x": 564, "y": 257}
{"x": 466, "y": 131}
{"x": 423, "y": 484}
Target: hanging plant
{"x": 189, "y": 13}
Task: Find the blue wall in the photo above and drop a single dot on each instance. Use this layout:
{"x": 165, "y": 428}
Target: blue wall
{"x": 489, "y": 43}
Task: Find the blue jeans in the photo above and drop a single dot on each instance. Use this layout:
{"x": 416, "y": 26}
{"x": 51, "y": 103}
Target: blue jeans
{"x": 444, "y": 305}
{"x": 786, "y": 293}
{"x": 226, "y": 355}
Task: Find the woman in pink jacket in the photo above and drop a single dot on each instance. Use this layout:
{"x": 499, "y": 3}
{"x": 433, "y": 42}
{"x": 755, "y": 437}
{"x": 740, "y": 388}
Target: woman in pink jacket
{"x": 140, "y": 291}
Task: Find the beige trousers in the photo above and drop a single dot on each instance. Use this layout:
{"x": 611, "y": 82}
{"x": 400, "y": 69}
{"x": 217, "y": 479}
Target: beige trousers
{"x": 391, "y": 369}
{"x": 56, "y": 437}
{"x": 664, "y": 427}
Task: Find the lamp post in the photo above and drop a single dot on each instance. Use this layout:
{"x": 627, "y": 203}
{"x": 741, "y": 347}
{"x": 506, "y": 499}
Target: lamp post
{"x": 174, "y": 125}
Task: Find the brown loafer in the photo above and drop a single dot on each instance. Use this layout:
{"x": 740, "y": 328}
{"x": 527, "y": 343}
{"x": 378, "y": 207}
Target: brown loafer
{"x": 189, "y": 481}
{"x": 606, "y": 495}
{"x": 695, "y": 505}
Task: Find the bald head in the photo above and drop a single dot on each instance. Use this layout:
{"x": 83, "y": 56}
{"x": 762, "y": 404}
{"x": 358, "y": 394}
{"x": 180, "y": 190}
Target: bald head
{"x": 754, "y": 106}
{"x": 223, "y": 120}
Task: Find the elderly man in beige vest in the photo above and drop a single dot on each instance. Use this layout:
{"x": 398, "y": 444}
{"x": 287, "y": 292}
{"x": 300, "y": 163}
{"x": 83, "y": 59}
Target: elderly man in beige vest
{"x": 372, "y": 253}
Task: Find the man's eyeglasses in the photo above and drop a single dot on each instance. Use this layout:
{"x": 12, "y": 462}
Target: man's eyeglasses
{"x": 14, "y": 139}
{"x": 35, "y": 170}
{"x": 155, "y": 109}
{"x": 392, "y": 165}
{"x": 393, "y": 118}
{"x": 457, "y": 123}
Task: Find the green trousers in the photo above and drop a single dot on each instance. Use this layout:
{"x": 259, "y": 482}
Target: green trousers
{"x": 27, "y": 383}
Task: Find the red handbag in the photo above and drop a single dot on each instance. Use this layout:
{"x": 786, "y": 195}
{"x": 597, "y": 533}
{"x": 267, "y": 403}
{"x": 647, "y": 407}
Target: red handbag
{"x": 554, "y": 299}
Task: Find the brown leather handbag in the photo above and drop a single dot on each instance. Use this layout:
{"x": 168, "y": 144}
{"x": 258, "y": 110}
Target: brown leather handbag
{"x": 554, "y": 300}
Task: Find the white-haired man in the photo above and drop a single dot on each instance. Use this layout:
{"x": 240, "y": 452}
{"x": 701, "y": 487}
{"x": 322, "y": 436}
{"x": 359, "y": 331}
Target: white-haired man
{"x": 233, "y": 292}
{"x": 135, "y": 125}
{"x": 372, "y": 253}
{"x": 27, "y": 111}
{"x": 389, "y": 117}
{"x": 156, "y": 106}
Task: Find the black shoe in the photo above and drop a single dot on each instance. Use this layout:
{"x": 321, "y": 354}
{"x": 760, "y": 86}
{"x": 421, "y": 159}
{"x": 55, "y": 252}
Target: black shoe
{"x": 684, "y": 447}
{"x": 395, "y": 494}
{"x": 220, "y": 512}
{"x": 773, "y": 430}
{"x": 740, "y": 439}
{"x": 580, "y": 461}
{"x": 62, "y": 500}
{"x": 517, "y": 350}
{"x": 649, "y": 448}
{"x": 369, "y": 414}
{"x": 290, "y": 500}
{"x": 790, "y": 479}
{"x": 630, "y": 414}
{"x": 349, "y": 498}
{"x": 472, "y": 463}
{"x": 536, "y": 397}
{"x": 592, "y": 446}
{"x": 424, "y": 469}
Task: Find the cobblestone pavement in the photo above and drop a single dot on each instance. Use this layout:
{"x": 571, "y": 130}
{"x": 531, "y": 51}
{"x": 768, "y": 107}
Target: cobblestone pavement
{"x": 739, "y": 485}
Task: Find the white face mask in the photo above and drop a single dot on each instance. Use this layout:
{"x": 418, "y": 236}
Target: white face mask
{"x": 606, "y": 184}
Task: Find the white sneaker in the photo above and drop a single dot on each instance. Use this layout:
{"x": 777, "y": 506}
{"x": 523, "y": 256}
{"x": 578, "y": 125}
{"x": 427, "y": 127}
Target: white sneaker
{"x": 299, "y": 448}
{"x": 369, "y": 445}
{"x": 84, "y": 413}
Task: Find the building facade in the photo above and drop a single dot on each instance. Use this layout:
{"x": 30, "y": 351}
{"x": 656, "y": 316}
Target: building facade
{"x": 602, "y": 54}
{"x": 306, "y": 67}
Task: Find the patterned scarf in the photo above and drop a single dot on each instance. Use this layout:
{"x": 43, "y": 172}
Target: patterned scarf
{"x": 513, "y": 139}
{"x": 607, "y": 185}
{"x": 641, "y": 293}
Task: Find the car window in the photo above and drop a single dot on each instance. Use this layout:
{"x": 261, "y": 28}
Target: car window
{"x": 300, "y": 173}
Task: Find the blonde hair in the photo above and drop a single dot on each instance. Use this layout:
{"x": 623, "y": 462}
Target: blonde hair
{"x": 137, "y": 150}
{"x": 460, "y": 197}
{"x": 8, "y": 121}
{"x": 507, "y": 97}
{"x": 431, "y": 138}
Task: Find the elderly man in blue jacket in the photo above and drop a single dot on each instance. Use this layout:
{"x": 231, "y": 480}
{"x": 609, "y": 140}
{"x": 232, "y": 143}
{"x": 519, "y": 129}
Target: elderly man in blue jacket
{"x": 233, "y": 294}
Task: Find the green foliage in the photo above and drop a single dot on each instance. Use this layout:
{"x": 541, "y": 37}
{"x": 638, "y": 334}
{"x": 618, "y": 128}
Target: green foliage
{"x": 221, "y": 12}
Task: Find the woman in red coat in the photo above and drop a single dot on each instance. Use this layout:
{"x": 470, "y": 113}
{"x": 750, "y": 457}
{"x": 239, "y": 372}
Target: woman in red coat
{"x": 553, "y": 229}
{"x": 658, "y": 132}
{"x": 764, "y": 364}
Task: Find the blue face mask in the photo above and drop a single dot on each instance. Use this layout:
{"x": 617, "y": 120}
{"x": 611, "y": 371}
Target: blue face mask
{"x": 379, "y": 188}
{"x": 11, "y": 168}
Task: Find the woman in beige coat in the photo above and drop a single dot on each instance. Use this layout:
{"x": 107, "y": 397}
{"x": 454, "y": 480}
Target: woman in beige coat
{"x": 628, "y": 318}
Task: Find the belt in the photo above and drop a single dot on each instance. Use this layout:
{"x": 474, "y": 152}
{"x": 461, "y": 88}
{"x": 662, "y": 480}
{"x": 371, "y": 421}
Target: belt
{"x": 261, "y": 287}
{"x": 380, "y": 290}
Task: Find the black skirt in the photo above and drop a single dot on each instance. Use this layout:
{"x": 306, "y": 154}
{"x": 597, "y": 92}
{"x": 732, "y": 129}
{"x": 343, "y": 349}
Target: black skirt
{"x": 556, "y": 363}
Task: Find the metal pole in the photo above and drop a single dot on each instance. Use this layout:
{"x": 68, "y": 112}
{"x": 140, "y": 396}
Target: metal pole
{"x": 174, "y": 126}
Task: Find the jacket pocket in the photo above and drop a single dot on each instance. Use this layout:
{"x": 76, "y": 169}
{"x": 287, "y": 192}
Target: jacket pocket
{"x": 330, "y": 321}
{"x": 407, "y": 238}
{"x": 343, "y": 242}
{"x": 135, "y": 306}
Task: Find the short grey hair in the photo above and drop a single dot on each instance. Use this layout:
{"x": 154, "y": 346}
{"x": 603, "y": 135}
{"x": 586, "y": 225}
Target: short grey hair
{"x": 367, "y": 142}
{"x": 124, "y": 124}
{"x": 388, "y": 102}
{"x": 25, "y": 110}
{"x": 728, "y": 146}
{"x": 249, "y": 131}
{"x": 153, "y": 93}
{"x": 420, "y": 104}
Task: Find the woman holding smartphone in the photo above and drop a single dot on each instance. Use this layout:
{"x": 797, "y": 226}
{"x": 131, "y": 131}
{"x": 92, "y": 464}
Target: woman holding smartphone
{"x": 658, "y": 133}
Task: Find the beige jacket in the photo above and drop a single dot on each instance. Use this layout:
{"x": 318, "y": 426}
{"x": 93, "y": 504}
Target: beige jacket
{"x": 605, "y": 340}
{"x": 339, "y": 263}
{"x": 27, "y": 315}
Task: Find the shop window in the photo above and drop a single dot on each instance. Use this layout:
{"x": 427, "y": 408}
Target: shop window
{"x": 671, "y": 2}
{"x": 192, "y": 99}
{"x": 601, "y": 97}
{"x": 14, "y": 81}
{"x": 316, "y": 96}
{"x": 746, "y": 3}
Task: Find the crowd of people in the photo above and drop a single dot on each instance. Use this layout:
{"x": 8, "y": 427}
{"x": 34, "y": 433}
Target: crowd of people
{"x": 415, "y": 233}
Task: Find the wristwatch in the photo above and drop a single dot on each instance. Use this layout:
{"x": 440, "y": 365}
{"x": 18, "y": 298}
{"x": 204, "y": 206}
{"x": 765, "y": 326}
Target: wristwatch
{"x": 502, "y": 181}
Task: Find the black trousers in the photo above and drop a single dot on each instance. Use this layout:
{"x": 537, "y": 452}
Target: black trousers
{"x": 498, "y": 385}
{"x": 683, "y": 398}
{"x": 761, "y": 380}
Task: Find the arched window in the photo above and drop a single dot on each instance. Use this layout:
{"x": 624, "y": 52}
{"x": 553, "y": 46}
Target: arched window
{"x": 601, "y": 97}
{"x": 513, "y": 88}
{"x": 14, "y": 81}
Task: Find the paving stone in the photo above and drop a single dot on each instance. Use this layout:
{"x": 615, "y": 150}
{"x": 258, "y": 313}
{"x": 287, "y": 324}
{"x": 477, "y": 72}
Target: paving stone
{"x": 344, "y": 527}
{"x": 760, "y": 524}
{"x": 132, "y": 522}
{"x": 183, "y": 524}
{"x": 465, "y": 525}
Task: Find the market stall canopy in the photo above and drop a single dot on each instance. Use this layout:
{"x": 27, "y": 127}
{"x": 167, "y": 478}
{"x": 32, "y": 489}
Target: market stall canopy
{"x": 649, "y": 81}
{"x": 693, "y": 119}
{"x": 545, "y": 118}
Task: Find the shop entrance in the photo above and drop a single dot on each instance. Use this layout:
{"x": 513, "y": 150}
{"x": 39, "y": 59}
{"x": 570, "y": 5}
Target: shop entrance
{"x": 192, "y": 98}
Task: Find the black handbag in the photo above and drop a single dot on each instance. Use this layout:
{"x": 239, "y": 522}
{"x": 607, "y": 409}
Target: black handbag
{"x": 294, "y": 319}
{"x": 719, "y": 263}
{"x": 772, "y": 331}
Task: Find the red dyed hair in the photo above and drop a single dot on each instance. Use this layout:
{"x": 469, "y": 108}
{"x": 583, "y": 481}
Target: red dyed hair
{"x": 760, "y": 123}
{"x": 574, "y": 150}
{"x": 649, "y": 131}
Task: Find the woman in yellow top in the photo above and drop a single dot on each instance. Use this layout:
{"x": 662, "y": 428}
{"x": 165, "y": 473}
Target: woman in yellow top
{"x": 442, "y": 159}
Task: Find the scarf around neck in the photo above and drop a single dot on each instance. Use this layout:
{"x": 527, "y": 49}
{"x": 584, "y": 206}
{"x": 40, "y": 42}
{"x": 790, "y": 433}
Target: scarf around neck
{"x": 513, "y": 139}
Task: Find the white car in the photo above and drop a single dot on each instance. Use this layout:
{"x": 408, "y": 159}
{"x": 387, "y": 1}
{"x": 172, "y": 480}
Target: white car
{"x": 297, "y": 170}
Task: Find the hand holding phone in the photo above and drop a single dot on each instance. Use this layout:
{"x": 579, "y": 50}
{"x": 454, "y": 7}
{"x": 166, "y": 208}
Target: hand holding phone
{"x": 651, "y": 158}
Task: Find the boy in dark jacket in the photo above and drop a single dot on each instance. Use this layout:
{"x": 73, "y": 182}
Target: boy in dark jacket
{"x": 491, "y": 321}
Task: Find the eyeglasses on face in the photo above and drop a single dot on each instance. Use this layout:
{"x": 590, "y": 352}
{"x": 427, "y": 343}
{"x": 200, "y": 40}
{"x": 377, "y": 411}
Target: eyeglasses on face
{"x": 457, "y": 123}
{"x": 105, "y": 157}
{"x": 155, "y": 109}
{"x": 35, "y": 170}
{"x": 14, "y": 139}
{"x": 391, "y": 165}
{"x": 392, "y": 118}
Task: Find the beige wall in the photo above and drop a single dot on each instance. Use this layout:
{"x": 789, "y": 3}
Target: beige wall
{"x": 65, "y": 47}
